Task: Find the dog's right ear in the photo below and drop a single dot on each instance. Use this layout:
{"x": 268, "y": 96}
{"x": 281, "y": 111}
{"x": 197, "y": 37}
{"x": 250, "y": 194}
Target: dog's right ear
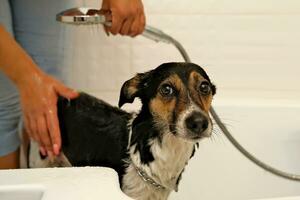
{"x": 132, "y": 87}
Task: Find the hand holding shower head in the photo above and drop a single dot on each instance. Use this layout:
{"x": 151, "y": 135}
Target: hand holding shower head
{"x": 89, "y": 16}
{"x": 82, "y": 16}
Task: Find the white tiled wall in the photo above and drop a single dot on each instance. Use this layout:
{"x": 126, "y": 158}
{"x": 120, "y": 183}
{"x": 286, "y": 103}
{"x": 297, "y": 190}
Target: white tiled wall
{"x": 250, "y": 48}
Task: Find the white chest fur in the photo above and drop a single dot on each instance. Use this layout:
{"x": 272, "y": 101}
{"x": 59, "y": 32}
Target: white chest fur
{"x": 171, "y": 155}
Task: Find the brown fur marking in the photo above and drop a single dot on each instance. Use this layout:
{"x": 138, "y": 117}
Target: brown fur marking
{"x": 204, "y": 102}
{"x": 132, "y": 86}
{"x": 163, "y": 107}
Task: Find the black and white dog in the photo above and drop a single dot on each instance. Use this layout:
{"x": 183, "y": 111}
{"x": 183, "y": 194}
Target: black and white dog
{"x": 150, "y": 149}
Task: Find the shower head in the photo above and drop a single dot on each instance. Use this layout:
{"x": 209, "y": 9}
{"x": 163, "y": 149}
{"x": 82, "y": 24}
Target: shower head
{"x": 82, "y": 16}
{"x": 90, "y": 16}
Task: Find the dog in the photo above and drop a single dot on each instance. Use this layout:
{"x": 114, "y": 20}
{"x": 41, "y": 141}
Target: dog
{"x": 150, "y": 149}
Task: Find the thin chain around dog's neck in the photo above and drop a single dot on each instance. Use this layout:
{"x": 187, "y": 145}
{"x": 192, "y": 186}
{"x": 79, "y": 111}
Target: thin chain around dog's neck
{"x": 147, "y": 178}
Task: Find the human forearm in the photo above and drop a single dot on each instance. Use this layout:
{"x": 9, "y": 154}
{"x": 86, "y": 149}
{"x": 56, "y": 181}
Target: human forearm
{"x": 14, "y": 61}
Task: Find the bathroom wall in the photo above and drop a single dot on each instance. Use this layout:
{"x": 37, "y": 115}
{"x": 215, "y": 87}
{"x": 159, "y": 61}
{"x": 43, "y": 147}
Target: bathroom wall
{"x": 249, "y": 48}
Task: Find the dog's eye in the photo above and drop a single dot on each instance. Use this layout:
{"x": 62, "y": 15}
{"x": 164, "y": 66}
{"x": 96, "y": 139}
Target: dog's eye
{"x": 166, "y": 90}
{"x": 204, "y": 88}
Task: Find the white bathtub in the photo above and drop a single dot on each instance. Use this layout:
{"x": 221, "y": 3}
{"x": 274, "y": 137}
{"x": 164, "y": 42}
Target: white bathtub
{"x": 84, "y": 183}
{"x": 219, "y": 171}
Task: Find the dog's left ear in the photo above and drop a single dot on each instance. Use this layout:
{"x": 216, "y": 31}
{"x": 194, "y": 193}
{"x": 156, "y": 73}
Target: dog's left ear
{"x": 132, "y": 87}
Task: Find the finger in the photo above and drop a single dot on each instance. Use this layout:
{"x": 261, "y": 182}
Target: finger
{"x": 108, "y": 18}
{"x": 135, "y": 27}
{"x": 117, "y": 22}
{"x": 107, "y": 14}
{"x": 33, "y": 129}
{"x": 126, "y": 26}
{"x": 40, "y": 135}
{"x": 42, "y": 129}
{"x": 33, "y": 135}
{"x": 43, "y": 150}
{"x": 27, "y": 127}
{"x": 53, "y": 127}
{"x": 106, "y": 30}
{"x": 65, "y": 91}
{"x": 44, "y": 138}
{"x": 142, "y": 24}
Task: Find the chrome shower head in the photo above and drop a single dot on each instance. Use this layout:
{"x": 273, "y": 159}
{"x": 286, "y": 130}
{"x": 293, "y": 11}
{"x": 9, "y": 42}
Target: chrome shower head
{"x": 82, "y": 16}
{"x": 89, "y": 16}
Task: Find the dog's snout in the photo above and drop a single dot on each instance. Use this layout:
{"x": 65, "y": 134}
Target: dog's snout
{"x": 196, "y": 123}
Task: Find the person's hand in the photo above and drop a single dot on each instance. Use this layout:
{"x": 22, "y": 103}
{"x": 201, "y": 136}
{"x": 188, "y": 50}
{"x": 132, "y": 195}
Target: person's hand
{"x": 127, "y": 16}
{"x": 39, "y": 94}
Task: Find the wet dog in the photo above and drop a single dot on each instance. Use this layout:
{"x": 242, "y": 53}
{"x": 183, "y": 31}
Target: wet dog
{"x": 148, "y": 149}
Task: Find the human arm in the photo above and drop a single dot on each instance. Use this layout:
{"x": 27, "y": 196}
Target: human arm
{"x": 38, "y": 93}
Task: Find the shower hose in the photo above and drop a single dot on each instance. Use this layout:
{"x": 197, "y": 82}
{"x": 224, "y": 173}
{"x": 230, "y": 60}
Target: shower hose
{"x": 159, "y": 36}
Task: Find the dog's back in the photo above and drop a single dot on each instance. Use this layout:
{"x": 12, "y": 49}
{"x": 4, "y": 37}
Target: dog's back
{"x": 93, "y": 132}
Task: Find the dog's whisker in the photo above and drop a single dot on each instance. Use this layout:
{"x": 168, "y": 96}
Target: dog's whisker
{"x": 217, "y": 131}
{"x": 229, "y": 119}
{"x": 213, "y": 138}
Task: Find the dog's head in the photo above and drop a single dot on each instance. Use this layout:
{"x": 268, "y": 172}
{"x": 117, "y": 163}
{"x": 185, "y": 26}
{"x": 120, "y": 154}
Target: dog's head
{"x": 177, "y": 96}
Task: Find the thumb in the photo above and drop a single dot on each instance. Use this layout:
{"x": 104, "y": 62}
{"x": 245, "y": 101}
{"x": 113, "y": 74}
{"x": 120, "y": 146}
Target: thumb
{"x": 65, "y": 91}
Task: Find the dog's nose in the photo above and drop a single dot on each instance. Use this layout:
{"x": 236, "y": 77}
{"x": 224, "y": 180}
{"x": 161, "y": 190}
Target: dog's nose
{"x": 196, "y": 122}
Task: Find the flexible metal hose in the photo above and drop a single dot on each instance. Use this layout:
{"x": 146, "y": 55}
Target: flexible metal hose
{"x": 159, "y": 36}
